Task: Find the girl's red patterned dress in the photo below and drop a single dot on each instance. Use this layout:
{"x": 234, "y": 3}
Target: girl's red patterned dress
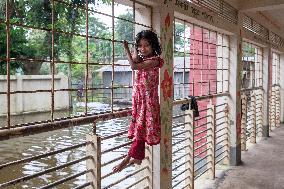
{"x": 145, "y": 124}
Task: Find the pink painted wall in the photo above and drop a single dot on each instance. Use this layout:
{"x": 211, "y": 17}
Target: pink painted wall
{"x": 203, "y": 63}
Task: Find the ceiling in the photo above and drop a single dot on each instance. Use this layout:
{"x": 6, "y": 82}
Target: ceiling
{"x": 270, "y": 13}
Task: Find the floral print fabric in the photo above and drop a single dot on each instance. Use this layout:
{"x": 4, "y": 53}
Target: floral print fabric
{"x": 145, "y": 124}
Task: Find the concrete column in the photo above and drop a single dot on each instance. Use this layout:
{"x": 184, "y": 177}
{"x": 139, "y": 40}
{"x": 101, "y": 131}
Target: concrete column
{"x": 235, "y": 94}
{"x": 266, "y": 86}
{"x": 163, "y": 16}
{"x": 281, "y": 88}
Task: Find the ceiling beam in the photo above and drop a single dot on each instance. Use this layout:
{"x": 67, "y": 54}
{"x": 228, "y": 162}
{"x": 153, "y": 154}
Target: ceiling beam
{"x": 260, "y": 5}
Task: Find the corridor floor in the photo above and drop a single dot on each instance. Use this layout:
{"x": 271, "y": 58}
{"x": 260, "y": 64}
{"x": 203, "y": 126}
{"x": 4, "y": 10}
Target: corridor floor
{"x": 262, "y": 166}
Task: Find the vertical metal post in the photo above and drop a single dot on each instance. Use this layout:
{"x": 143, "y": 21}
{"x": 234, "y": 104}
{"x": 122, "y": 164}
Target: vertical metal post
{"x": 189, "y": 126}
{"x": 8, "y": 62}
{"x": 244, "y": 122}
{"x": 253, "y": 128}
{"x": 87, "y": 58}
{"x": 211, "y": 139}
{"x": 52, "y": 60}
{"x": 113, "y": 54}
{"x": 226, "y": 160}
{"x": 94, "y": 163}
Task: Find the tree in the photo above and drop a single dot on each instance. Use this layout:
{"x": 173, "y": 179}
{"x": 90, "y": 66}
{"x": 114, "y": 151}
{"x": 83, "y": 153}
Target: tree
{"x": 124, "y": 31}
{"x": 18, "y": 48}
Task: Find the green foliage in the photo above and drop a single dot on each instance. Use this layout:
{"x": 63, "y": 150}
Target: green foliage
{"x": 179, "y": 39}
{"x": 68, "y": 46}
{"x": 124, "y": 31}
{"x": 18, "y": 48}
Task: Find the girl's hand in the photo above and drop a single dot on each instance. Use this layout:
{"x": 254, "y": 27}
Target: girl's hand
{"x": 125, "y": 44}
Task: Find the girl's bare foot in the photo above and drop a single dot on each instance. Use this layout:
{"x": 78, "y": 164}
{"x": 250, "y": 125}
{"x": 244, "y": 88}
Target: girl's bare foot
{"x": 121, "y": 165}
{"x": 125, "y": 162}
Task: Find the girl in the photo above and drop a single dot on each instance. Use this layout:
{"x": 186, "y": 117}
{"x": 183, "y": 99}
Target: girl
{"x": 145, "y": 123}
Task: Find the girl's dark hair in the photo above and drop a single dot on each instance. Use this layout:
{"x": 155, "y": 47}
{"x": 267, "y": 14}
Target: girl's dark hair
{"x": 152, "y": 38}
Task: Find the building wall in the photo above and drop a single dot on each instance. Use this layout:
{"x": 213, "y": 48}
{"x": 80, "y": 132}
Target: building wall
{"x": 35, "y": 101}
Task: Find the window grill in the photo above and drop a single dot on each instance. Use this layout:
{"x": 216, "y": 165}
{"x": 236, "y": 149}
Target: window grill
{"x": 77, "y": 46}
{"x": 222, "y": 8}
{"x": 201, "y": 60}
{"x": 275, "y": 69}
{"x": 252, "y": 72}
{"x": 256, "y": 28}
{"x": 276, "y": 39}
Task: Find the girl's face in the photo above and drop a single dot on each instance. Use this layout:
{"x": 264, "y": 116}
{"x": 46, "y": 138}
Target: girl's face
{"x": 145, "y": 48}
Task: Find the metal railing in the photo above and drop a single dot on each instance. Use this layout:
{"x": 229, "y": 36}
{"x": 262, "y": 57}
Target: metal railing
{"x": 199, "y": 143}
{"x": 274, "y": 107}
{"x": 252, "y": 116}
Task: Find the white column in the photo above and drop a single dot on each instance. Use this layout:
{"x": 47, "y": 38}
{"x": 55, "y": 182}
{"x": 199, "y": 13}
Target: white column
{"x": 266, "y": 75}
{"x": 163, "y": 16}
{"x": 235, "y": 95}
{"x": 282, "y": 87}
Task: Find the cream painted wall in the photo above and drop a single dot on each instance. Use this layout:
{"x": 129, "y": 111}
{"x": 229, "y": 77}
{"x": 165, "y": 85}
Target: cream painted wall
{"x": 33, "y": 102}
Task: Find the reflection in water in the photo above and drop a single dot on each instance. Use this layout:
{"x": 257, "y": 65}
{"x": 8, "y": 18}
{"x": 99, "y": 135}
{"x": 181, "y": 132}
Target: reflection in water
{"x": 23, "y": 147}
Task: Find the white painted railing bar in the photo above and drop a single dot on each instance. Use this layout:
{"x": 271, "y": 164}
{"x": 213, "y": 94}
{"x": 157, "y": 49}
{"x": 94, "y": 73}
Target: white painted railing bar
{"x": 115, "y": 135}
{"x": 25, "y": 178}
{"x": 221, "y": 111}
{"x": 181, "y": 164}
{"x": 137, "y": 182}
{"x": 224, "y": 140}
{"x": 117, "y": 147}
{"x": 205, "y": 130}
{"x": 219, "y": 124}
{"x": 217, "y": 119}
{"x": 178, "y": 125}
{"x": 112, "y": 173}
{"x": 220, "y": 148}
{"x": 203, "y": 110}
{"x": 177, "y": 175}
{"x": 178, "y": 158}
{"x": 201, "y": 125}
{"x": 126, "y": 177}
{"x": 219, "y": 160}
{"x": 178, "y": 183}
{"x": 179, "y": 149}
{"x": 224, "y": 134}
{"x": 179, "y": 141}
{"x": 65, "y": 179}
{"x": 202, "y": 166}
{"x": 221, "y": 153}
{"x": 197, "y": 155}
{"x": 179, "y": 116}
{"x": 83, "y": 185}
{"x": 201, "y": 159}
{"x": 42, "y": 155}
{"x": 180, "y": 133}
{"x": 200, "y": 139}
{"x": 186, "y": 186}
{"x": 200, "y": 118}
{"x": 204, "y": 144}
{"x": 219, "y": 105}
{"x": 114, "y": 160}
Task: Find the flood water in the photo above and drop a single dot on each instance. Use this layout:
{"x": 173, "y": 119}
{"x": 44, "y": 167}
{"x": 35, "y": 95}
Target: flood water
{"x": 23, "y": 147}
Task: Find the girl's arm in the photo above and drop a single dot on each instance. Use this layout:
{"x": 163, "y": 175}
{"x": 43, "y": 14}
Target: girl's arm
{"x": 140, "y": 64}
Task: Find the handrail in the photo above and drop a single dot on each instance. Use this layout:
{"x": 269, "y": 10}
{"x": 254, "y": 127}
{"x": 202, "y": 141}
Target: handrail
{"x": 12, "y": 132}
{"x": 39, "y": 127}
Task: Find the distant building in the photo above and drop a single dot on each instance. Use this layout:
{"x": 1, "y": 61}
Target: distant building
{"x": 123, "y": 78}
